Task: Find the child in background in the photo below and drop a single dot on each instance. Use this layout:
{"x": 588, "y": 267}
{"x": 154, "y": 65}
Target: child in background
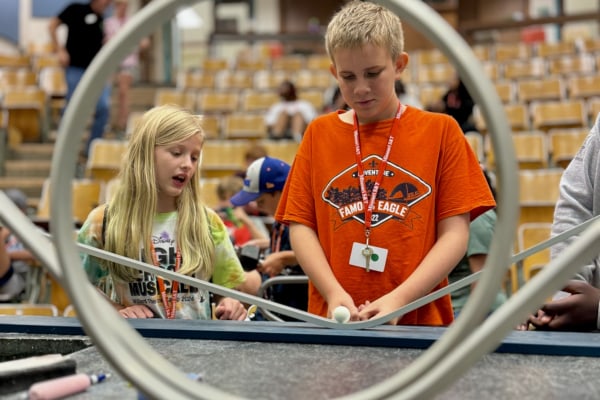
{"x": 239, "y": 225}
{"x": 288, "y": 118}
{"x": 379, "y": 198}
{"x": 156, "y": 215}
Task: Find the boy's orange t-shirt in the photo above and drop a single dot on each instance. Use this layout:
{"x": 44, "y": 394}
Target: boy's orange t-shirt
{"x": 431, "y": 174}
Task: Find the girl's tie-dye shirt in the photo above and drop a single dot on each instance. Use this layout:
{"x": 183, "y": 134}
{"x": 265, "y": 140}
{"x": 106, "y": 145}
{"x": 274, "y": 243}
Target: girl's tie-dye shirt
{"x": 192, "y": 302}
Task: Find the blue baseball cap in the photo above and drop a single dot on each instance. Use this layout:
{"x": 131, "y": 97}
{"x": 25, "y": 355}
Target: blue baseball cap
{"x": 264, "y": 175}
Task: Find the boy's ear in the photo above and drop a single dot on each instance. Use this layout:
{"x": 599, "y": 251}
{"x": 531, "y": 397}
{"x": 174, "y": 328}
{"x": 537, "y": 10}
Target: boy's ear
{"x": 401, "y": 63}
{"x": 333, "y": 70}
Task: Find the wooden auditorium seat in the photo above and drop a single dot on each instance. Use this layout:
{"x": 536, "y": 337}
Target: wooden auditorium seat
{"x": 558, "y": 114}
{"x": 234, "y": 80}
{"x": 525, "y": 68}
{"x": 217, "y": 102}
{"x": 529, "y": 90}
{"x": 27, "y": 309}
{"x": 564, "y": 144}
{"x": 258, "y": 100}
{"x": 511, "y": 51}
{"x": 105, "y": 157}
{"x": 538, "y": 193}
{"x": 555, "y": 49}
{"x": 531, "y": 150}
{"x": 528, "y": 235}
{"x": 26, "y": 108}
{"x": 583, "y": 87}
{"x": 570, "y": 65}
{"x": 86, "y": 194}
{"x": 183, "y": 98}
{"x": 223, "y": 157}
{"x": 318, "y": 62}
{"x": 290, "y": 63}
{"x": 195, "y": 80}
{"x": 240, "y": 125}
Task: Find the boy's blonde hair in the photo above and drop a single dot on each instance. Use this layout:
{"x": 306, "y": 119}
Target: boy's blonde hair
{"x": 359, "y": 23}
{"x": 132, "y": 209}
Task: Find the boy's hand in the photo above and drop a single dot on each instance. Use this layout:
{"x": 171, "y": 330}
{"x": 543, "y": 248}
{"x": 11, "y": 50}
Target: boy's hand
{"x": 380, "y": 307}
{"x": 343, "y": 299}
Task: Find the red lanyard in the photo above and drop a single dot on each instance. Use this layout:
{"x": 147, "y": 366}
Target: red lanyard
{"x": 276, "y": 235}
{"x": 369, "y": 205}
{"x": 169, "y": 308}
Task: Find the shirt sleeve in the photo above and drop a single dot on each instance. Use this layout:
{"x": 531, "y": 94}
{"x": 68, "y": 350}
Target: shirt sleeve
{"x": 576, "y": 199}
{"x": 228, "y": 271}
{"x": 90, "y": 234}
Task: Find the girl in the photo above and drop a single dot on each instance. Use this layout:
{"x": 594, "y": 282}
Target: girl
{"x": 156, "y": 215}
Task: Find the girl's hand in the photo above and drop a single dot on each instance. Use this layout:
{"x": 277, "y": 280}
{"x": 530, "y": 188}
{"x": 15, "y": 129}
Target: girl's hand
{"x": 136, "y": 311}
{"x": 230, "y": 309}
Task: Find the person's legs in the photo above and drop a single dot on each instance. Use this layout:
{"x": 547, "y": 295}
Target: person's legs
{"x": 100, "y": 117}
{"x": 73, "y": 76}
{"x": 280, "y": 127}
{"x": 124, "y": 81}
{"x": 297, "y": 126}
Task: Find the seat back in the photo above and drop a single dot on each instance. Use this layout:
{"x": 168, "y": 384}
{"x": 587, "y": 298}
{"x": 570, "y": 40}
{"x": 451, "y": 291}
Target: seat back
{"x": 49, "y": 310}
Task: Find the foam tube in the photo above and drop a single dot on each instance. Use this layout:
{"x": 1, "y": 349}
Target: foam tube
{"x": 60, "y": 387}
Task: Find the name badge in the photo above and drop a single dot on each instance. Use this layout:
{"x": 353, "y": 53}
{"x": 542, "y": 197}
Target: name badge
{"x": 377, "y": 257}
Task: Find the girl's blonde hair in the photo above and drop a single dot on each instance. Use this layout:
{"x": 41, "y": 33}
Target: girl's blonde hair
{"x": 132, "y": 209}
{"x": 361, "y": 22}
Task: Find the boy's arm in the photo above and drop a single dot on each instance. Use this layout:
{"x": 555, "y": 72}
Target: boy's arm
{"x": 451, "y": 245}
{"x": 311, "y": 257}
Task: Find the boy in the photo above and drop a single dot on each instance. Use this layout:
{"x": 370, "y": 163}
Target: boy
{"x": 264, "y": 182}
{"x": 414, "y": 168}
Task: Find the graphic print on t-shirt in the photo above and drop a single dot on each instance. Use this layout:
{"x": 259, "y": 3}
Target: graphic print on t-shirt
{"x": 399, "y": 191}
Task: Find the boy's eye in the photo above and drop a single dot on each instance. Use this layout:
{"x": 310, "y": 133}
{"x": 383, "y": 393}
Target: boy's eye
{"x": 373, "y": 74}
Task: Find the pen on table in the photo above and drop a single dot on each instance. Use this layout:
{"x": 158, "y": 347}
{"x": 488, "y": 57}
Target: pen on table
{"x": 65, "y": 386}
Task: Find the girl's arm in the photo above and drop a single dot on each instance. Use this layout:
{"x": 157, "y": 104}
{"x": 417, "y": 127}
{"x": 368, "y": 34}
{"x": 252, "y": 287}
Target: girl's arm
{"x": 311, "y": 257}
{"x": 450, "y": 247}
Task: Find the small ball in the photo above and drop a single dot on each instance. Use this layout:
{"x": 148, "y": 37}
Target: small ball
{"x": 341, "y": 314}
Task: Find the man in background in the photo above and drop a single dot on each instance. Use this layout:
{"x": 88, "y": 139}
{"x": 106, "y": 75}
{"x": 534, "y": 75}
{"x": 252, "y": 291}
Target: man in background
{"x": 85, "y": 38}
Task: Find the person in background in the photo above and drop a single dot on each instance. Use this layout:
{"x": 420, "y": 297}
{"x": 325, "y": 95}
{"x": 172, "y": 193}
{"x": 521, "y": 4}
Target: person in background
{"x": 288, "y": 118}
{"x": 337, "y": 101}
{"x": 379, "y": 198}
{"x": 264, "y": 182}
{"x": 576, "y": 307}
{"x": 128, "y": 70}
{"x": 405, "y": 97}
{"x": 241, "y": 228}
{"x": 481, "y": 232}
{"x": 85, "y": 38}
{"x": 13, "y": 276}
{"x": 458, "y": 103}
{"x": 156, "y": 214}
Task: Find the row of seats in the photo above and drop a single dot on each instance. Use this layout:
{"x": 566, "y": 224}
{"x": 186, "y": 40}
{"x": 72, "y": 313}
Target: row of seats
{"x": 219, "y": 157}
{"x": 546, "y": 115}
{"x": 533, "y": 149}
{"x": 260, "y": 80}
{"x": 502, "y": 52}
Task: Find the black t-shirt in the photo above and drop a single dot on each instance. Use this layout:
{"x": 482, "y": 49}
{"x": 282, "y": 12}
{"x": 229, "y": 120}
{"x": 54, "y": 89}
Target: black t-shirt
{"x": 86, "y": 33}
